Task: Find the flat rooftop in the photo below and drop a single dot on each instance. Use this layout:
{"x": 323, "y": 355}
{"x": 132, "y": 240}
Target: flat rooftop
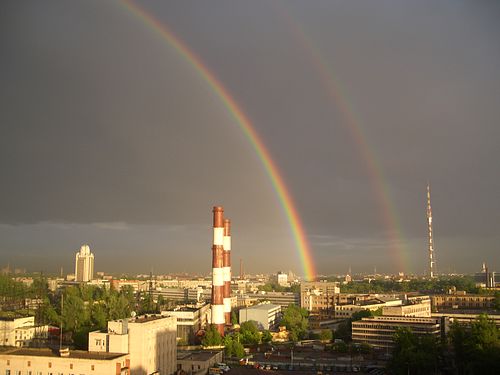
{"x": 47, "y": 352}
{"x": 264, "y": 306}
{"x": 202, "y": 355}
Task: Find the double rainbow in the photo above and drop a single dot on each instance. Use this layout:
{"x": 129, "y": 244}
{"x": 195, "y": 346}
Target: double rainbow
{"x": 243, "y": 123}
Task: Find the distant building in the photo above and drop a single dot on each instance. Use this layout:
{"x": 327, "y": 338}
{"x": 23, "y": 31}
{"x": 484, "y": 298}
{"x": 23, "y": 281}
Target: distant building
{"x": 283, "y": 299}
{"x": 190, "y": 320}
{"x": 319, "y": 297}
{"x": 266, "y": 315}
{"x": 379, "y": 331}
{"x": 84, "y": 264}
{"x": 46, "y": 361}
{"x": 282, "y": 279}
{"x": 460, "y": 300}
{"x": 345, "y": 311}
{"x": 20, "y": 331}
{"x": 198, "y": 362}
{"x": 485, "y": 278}
{"x": 418, "y": 306}
{"x": 150, "y": 341}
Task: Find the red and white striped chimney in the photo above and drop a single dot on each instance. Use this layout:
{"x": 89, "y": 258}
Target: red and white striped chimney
{"x": 218, "y": 319}
{"x": 227, "y": 271}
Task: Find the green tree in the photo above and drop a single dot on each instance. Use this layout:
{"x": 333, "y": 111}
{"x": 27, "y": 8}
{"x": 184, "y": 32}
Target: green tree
{"x": 228, "y": 345}
{"x": 414, "y": 354}
{"x": 326, "y": 334}
{"x": 266, "y": 336}
{"x": 212, "y": 337}
{"x": 295, "y": 320}
{"x": 238, "y": 350}
{"x": 477, "y": 351}
{"x": 249, "y": 333}
{"x": 74, "y": 314}
{"x": 234, "y": 317}
{"x": 98, "y": 315}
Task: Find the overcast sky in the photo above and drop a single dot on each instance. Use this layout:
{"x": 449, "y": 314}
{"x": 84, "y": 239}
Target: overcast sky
{"x": 110, "y": 137}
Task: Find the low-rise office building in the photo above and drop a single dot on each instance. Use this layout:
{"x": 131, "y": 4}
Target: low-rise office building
{"x": 379, "y": 331}
{"x": 418, "y": 306}
{"x": 284, "y": 299}
{"x": 460, "y": 300}
{"x": 198, "y": 362}
{"x": 266, "y": 315}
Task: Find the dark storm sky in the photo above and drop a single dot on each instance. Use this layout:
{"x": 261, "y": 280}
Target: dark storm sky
{"x": 110, "y": 137}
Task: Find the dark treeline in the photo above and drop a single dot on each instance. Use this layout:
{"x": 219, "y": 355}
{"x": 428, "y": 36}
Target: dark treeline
{"x": 79, "y": 309}
{"x": 438, "y": 285}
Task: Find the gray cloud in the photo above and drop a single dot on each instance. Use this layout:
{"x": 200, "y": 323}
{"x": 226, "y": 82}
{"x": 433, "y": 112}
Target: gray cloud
{"x": 108, "y": 130}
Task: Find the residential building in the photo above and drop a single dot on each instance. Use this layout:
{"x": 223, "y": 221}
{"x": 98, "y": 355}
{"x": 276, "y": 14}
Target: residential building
{"x": 319, "y": 297}
{"x": 20, "y": 331}
{"x": 84, "y": 264}
{"x": 190, "y": 320}
{"x": 282, "y": 279}
{"x": 150, "y": 341}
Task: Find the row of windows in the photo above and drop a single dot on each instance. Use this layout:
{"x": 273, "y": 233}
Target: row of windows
{"x": 92, "y": 367}
{"x": 19, "y": 372}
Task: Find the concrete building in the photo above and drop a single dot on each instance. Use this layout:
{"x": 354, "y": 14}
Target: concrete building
{"x": 149, "y": 340}
{"x": 416, "y": 307}
{"x": 198, "y": 362}
{"x": 189, "y": 321}
{"x": 282, "y": 279}
{"x": 284, "y": 299}
{"x": 460, "y": 300}
{"x": 465, "y": 319}
{"x": 345, "y": 311}
{"x": 266, "y": 315}
{"x": 379, "y": 331}
{"x": 319, "y": 297}
{"x": 84, "y": 264}
{"x": 31, "y": 361}
{"x": 20, "y": 331}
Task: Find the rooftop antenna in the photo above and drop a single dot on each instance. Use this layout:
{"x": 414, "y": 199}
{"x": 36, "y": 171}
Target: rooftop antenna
{"x": 432, "y": 261}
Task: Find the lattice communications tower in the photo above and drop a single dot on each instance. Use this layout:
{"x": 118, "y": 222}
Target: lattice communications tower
{"x": 432, "y": 259}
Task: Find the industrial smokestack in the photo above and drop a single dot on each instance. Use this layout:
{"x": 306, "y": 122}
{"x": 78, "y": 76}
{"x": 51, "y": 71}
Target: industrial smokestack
{"x": 227, "y": 271}
{"x": 218, "y": 270}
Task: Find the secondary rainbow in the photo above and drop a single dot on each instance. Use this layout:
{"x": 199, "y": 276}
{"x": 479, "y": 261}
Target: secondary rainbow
{"x": 244, "y": 124}
{"x": 338, "y": 95}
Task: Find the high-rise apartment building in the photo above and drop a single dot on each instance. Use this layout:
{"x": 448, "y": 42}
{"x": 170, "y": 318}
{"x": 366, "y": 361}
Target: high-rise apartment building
{"x": 84, "y": 264}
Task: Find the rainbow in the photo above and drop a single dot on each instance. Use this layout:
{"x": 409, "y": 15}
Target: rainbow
{"x": 244, "y": 124}
{"x": 337, "y": 94}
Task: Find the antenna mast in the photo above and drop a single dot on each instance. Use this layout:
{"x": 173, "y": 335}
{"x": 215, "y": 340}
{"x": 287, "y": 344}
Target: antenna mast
{"x": 432, "y": 262}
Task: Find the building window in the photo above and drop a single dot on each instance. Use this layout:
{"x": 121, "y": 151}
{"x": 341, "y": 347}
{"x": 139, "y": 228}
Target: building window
{"x": 92, "y": 367}
{"x": 71, "y": 366}
{"x": 50, "y": 364}
{"x": 29, "y": 363}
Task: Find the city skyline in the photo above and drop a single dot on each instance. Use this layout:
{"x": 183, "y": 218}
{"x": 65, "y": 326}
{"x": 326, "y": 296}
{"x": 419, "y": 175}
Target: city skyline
{"x": 116, "y": 136}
